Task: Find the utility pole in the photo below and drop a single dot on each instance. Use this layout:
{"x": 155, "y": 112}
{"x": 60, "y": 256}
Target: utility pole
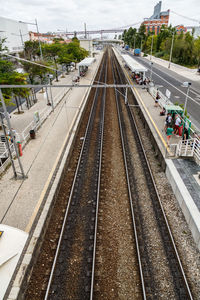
{"x": 85, "y": 31}
{"x": 39, "y": 39}
{"x": 20, "y": 32}
{"x": 170, "y": 58}
{"x": 151, "y": 47}
{"x": 11, "y": 133}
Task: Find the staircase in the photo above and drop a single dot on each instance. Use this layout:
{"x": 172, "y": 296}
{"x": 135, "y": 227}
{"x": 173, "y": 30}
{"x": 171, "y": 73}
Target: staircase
{"x": 189, "y": 148}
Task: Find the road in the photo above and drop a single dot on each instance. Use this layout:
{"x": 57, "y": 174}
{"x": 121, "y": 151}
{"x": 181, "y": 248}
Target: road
{"x": 166, "y": 79}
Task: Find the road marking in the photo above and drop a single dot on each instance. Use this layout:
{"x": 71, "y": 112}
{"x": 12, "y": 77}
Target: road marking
{"x": 176, "y": 88}
{"x": 155, "y": 126}
{"x": 177, "y": 97}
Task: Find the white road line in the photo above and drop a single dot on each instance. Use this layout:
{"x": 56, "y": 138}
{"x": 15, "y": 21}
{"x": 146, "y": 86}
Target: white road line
{"x": 175, "y": 87}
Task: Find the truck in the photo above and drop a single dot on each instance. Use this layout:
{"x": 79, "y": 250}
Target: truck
{"x": 137, "y": 52}
{"x": 126, "y": 47}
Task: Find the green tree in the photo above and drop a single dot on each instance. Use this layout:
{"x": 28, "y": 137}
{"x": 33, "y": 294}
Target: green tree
{"x": 51, "y": 52}
{"x": 31, "y": 49}
{"x": 197, "y": 50}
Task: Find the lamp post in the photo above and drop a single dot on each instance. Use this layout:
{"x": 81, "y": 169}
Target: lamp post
{"x": 170, "y": 57}
{"x": 151, "y": 47}
{"x": 186, "y": 84}
{"x": 151, "y": 71}
{"x": 50, "y": 76}
{"x": 141, "y": 44}
{"x": 36, "y": 24}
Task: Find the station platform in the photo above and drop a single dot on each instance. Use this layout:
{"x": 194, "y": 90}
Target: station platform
{"x": 42, "y": 160}
{"x": 21, "y": 200}
{"x": 182, "y": 173}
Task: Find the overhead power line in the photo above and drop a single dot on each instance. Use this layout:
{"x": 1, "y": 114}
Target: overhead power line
{"x": 188, "y": 18}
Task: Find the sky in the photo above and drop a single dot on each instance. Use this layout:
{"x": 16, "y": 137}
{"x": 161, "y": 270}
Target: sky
{"x": 53, "y": 15}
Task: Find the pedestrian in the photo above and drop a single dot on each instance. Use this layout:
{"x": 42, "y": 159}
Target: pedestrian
{"x": 169, "y": 132}
{"x": 177, "y": 124}
{"x": 157, "y": 98}
{"x": 168, "y": 121}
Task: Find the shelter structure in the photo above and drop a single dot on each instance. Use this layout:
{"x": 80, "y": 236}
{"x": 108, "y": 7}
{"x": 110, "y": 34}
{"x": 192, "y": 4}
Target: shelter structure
{"x": 134, "y": 66}
{"x": 84, "y": 64}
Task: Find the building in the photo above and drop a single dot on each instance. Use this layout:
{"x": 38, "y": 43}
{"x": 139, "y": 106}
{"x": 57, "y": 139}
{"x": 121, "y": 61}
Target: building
{"x": 16, "y": 34}
{"x": 47, "y": 37}
{"x": 159, "y": 18}
{"x": 180, "y": 29}
{"x": 87, "y": 44}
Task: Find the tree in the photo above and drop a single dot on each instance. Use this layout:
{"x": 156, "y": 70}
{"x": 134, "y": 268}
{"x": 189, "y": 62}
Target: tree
{"x": 197, "y": 50}
{"x": 31, "y": 49}
{"x": 51, "y": 52}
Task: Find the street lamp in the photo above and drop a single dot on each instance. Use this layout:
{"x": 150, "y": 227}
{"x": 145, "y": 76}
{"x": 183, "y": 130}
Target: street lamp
{"x": 151, "y": 70}
{"x": 186, "y": 84}
{"x": 36, "y": 24}
{"x": 151, "y": 47}
{"x": 170, "y": 57}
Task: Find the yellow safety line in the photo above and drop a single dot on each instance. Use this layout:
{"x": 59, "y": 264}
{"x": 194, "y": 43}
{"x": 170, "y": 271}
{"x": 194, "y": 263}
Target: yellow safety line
{"x": 156, "y": 128}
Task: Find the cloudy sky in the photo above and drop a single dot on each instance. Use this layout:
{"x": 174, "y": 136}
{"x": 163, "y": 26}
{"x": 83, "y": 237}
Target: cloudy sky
{"x": 98, "y": 14}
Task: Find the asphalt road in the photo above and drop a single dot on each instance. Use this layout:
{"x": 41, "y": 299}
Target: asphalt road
{"x": 167, "y": 79}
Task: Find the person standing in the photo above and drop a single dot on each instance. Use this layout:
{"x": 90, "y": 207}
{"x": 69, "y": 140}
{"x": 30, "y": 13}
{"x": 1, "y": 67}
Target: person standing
{"x": 157, "y": 98}
{"x": 177, "y": 124}
{"x": 169, "y": 132}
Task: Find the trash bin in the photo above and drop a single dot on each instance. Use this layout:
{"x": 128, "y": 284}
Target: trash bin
{"x": 32, "y": 134}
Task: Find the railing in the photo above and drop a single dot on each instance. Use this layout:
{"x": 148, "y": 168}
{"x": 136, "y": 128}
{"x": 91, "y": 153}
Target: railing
{"x": 4, "y": 164}
{"x": 190, "y": 148}
{"x": 163, "y": 99}
{"x": 24, "y": 136}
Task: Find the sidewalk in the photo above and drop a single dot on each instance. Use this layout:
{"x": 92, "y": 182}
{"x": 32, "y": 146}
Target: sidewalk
{"x": 20, "y": 198}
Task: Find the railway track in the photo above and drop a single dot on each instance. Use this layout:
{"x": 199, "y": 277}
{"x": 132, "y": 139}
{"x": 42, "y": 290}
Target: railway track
{"x": 114, "y": 242}
{"x": 161, "y": 270}
{"x": 73, "y": 267}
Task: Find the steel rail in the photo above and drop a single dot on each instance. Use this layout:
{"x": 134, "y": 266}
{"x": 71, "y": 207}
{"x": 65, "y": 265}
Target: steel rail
{"x": 132, "y": 119}
{"x": 98, "y": 193}
{"x": 71, "y": 193}
{"x": 129, "y": 191}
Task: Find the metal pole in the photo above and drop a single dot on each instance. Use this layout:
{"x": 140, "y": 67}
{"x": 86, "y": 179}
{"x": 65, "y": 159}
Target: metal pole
{"x": 134, "y": 42}
{"x": 39, "y": 39}
{"x": 151, "y": 71}
{"x": 141, "y": 45}
{"x": 48, "y": 102}
{"x": 11, "y": 133}
{"x": 8, "y": 147}
{"x": 126, "y": 99}
{"x": 51, "y": 94}
{"x": 151, "y": 47}
{"x": 186, "y": 98}
{"x": 20, "y": 32}
{"x": 170, "y": 57}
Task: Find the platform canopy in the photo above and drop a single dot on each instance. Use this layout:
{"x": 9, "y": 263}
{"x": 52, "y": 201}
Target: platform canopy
{"x": 133, "y": 64}
{"x": 86, "y": 62}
